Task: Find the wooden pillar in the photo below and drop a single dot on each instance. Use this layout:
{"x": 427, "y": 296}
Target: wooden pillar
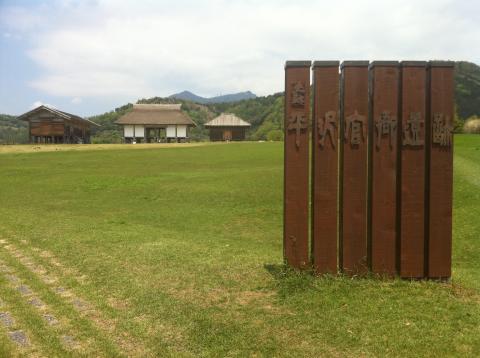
{"x": 383, "y": 150}
{"x": 325, "y": 165}
{"x": 412, "y": 180}
{"x": 440, "y": 174}
{"x": 29, "y": 133}
{"x": 354, "y": 123}
{"x": 296, "y": 168}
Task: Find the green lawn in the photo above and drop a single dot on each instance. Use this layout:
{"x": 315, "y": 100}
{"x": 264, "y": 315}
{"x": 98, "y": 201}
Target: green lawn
{"x": 178, "y": 252}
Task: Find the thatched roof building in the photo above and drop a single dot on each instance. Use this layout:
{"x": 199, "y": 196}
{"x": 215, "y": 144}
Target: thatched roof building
{"x": 227, "y": 120}
{"x": 227, "y": 126}
{"x": 155, "y": 123}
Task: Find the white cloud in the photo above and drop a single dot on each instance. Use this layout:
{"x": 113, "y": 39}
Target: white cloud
{"x": 133, "y": 49}
{"x": 40, "y": 103}
{"x": 76, "y": 100}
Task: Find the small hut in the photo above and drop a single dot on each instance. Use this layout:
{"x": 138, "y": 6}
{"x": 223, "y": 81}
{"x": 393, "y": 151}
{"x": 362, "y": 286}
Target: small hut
{"x": 227, "y": 127}
{"x": 50, "y": 125}
{"x": 154, "y": 123}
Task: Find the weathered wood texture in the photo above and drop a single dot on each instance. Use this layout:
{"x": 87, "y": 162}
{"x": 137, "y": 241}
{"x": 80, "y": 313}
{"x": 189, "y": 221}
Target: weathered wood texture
{"x": 441, "y": 169}
{"x": 382, "y": 167}
{"x": 325, "y": 166}
{"x": 296, "y": 168}
{"x": 413, "y": 126}
{"x": 223, "y": 133}
{"x": 383, "y": 186}
{"x": 353, "y": 238}
{"x": 47, "y": 128}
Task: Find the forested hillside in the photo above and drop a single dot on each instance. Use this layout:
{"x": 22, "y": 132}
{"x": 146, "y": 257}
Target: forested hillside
{"x": 264, "y": 113}
{"x": 12, "y": 131}
{"x": 467, "y": 89}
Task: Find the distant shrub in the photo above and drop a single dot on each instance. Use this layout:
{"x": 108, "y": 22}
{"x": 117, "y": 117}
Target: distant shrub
{"x": 275, "y": 135}
{"x": 472, "y": 125}
{"x": 107, "y": 137}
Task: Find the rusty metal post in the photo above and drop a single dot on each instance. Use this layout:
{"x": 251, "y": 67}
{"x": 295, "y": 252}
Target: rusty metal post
{"x": 383, "y": 150}
{"x": 412, "y": 181}
{"x": 353, "y": 194}
{"x": 325, "y": 146}
{"x": 296, "y": 168}
{"x": 440, "y": 169}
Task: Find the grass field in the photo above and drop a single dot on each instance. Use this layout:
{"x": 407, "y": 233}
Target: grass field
{"x": 178, "y": 252}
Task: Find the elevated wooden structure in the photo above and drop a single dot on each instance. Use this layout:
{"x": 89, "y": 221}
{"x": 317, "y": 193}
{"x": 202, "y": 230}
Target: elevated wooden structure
{"x": 227, "y": 127}
{"x": 50, "y": 125}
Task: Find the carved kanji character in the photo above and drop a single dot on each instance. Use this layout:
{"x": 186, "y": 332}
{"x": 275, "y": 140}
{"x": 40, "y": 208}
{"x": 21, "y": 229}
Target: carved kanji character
{"x": 326, "y": 126}
{"x": 356, "y": 128}
{"x": 412, "y": 131}
{"x": 297, "y": 122}
{"x": 298, "y": 95}
{"x": 441, "y": 130}
{"x": 386, "y": 125}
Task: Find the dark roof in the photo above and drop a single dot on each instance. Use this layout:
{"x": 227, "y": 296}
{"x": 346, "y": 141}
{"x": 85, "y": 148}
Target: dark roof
{"x": 227, "y": 120}
{"x": 65, "y": 115}
{"x": 162, "y": 114}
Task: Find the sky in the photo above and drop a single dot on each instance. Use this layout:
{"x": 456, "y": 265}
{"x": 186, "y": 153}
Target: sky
{"x": 89, "y": 57}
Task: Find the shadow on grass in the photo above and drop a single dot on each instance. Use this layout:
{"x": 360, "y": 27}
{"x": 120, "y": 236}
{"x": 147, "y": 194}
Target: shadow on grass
{"x": 288, "y": 281}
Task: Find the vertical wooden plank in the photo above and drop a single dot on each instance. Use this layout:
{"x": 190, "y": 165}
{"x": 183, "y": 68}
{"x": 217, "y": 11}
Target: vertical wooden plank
{"x": 30, "y": 133}
{"x": 325, "y": 165}
{"x": 354, "y": 113}
{"x": 440, "y": 142}
{"x": 383, "y": 146}
{"x": 412, "y": 222}
{"x": 296, "y": 170}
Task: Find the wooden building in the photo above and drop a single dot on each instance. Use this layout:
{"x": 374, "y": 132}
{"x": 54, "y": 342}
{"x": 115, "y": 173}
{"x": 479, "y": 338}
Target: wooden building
{"x": 227, "y": 127}
{"x": 155, "y": 123}
{"x": 49, "y": 125}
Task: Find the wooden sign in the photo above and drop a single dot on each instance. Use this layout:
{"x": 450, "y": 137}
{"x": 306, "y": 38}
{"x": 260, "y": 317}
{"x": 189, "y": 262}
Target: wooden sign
{"x": 381, "y": 167}
{"x": 413, "y": 124}
{"x": 440, "y": 176}
{"x": 296, "y": 169}
{"x": 325, "y": 148}
{"x": 354, "y": 114}
{"x": 384, "y": 101}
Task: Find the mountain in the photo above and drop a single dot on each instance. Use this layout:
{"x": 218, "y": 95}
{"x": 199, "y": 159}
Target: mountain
{"x": 235, "y": 97}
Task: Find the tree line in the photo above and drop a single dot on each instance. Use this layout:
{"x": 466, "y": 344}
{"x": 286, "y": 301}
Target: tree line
{"x": 265, "y": 114}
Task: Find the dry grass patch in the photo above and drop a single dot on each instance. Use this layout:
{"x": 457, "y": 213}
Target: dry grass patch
{"x": 32, "y": 148}
{"x": 472, "y": 126}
